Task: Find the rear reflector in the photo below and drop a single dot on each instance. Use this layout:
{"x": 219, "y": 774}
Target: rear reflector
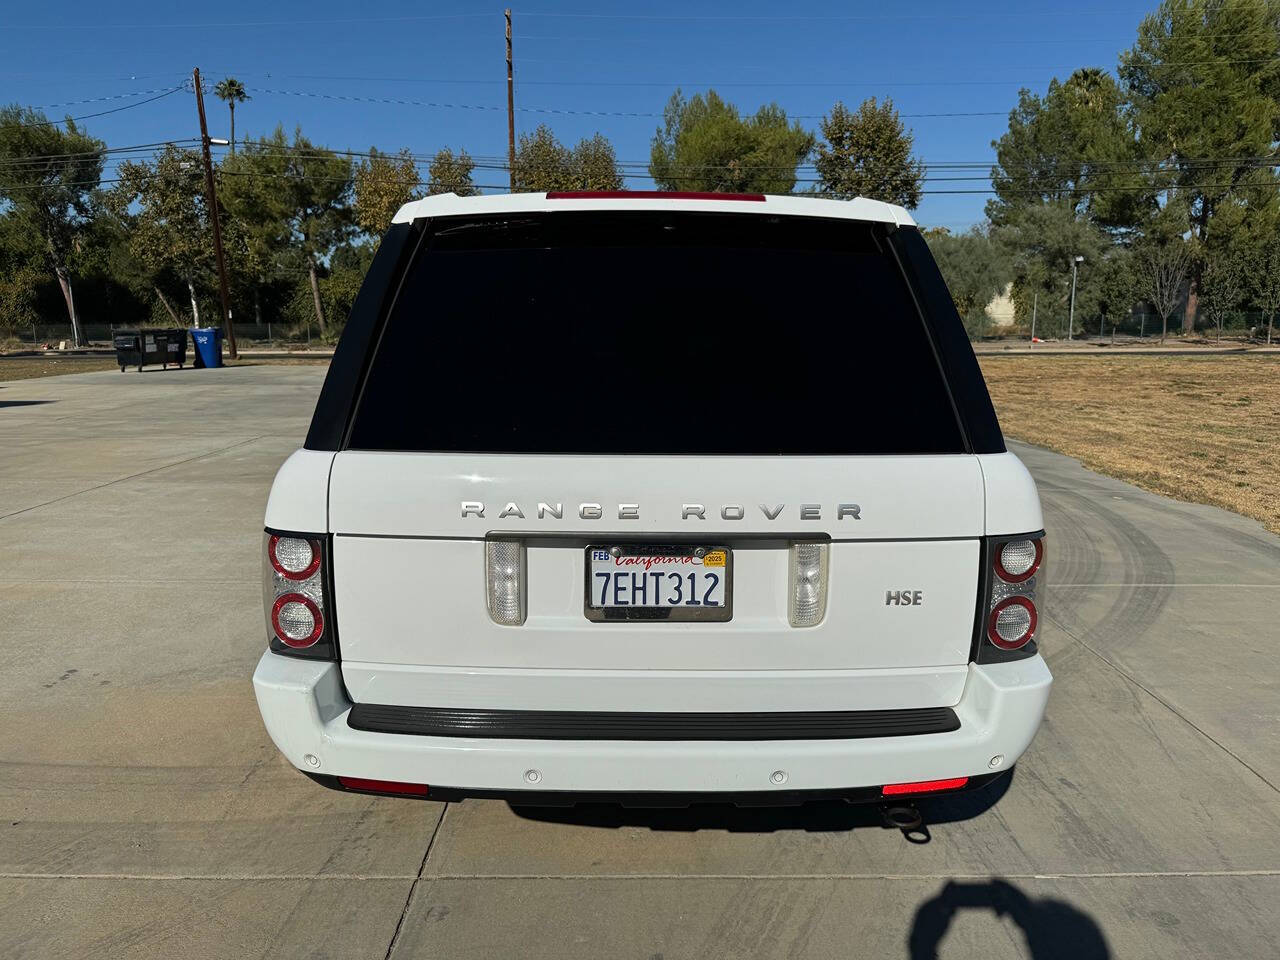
{"x": 384, "y": 786}
{"x": 923, "y": 786}
{"x": 651, "y": 195}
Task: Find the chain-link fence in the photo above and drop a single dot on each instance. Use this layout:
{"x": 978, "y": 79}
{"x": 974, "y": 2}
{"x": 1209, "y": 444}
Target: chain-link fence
{"x": 265, "y": 335}
{"x": 1141, "y": 323}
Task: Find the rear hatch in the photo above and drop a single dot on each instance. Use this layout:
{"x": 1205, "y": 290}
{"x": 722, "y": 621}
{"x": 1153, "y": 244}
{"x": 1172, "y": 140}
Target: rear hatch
{"x": 677, "y": 382}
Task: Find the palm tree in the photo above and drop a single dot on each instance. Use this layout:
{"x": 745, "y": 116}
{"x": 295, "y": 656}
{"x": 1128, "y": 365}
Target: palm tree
{"x": 232, "y": 92}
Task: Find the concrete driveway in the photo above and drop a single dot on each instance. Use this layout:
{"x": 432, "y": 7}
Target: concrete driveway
{"x": 144, "y": 812}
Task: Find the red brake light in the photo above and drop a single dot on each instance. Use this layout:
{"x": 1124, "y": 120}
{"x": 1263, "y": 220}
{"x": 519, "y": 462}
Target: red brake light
{"x": 384, "y": 786}
{"x": 1009, "y": 628}
{"x": 651, "y": 195}
{"x": 294, "y": 564}
{"x": 923, "y": 786}
{"x": 297, "y": 628}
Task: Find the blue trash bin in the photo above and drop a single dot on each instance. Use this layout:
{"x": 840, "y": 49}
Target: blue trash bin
{"x": 208, "y": 344}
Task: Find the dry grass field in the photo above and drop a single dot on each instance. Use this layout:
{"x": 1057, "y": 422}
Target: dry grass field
{"x": 1202, "y": 429}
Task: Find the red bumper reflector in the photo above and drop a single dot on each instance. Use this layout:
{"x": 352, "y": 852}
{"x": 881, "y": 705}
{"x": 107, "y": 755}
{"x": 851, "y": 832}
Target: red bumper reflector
{"x": 384, "y": 786}
{"x": 923, "y": 786}
{"x": 650, "y": 195}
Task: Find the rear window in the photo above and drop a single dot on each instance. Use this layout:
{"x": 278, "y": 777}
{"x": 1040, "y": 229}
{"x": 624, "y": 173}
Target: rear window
{"x": 655, "y": 333}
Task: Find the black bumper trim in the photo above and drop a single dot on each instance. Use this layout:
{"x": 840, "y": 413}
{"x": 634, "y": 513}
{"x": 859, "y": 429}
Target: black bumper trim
{"x": 657, "y": 800}
{"x": 598, "y": 725}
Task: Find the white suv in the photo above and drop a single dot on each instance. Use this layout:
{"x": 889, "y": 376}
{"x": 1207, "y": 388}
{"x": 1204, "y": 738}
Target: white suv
{"x": 653, "y": 496}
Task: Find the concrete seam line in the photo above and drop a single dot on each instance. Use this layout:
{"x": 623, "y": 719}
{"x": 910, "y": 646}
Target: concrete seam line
{"x": 135, "y": 476}
{"x": 1165, "y": 703}
{"x": 1055, "y": 586}
{"x": 348, "y": 877}
{"x": 413, "y": 887}
{"x": 211, "y": 877}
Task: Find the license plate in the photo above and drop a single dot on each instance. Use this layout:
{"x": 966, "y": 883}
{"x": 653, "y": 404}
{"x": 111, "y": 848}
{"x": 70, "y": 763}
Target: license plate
{"x": 643, "y": 581}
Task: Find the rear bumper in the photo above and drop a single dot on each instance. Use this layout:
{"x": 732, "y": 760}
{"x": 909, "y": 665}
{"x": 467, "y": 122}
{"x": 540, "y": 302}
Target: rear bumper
{"x": 306, "y": 712}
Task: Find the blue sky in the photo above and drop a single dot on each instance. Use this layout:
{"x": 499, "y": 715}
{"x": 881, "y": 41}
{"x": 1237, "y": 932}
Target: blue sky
{"x": 930, "y": 57}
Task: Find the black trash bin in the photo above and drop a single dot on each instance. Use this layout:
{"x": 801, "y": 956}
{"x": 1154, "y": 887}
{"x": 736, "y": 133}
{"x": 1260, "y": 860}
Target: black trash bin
{"x": 134, "y": 348}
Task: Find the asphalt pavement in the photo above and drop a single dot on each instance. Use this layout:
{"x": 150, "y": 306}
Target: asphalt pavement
{"x": 145, "y": 813}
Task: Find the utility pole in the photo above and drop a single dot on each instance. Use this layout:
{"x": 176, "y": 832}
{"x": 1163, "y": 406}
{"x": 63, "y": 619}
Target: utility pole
{"x": 1035, "y": 304}
{"x": 211, "y": 196}
{"x": 1071, "y": 317}
{"x": 511, "y": 111}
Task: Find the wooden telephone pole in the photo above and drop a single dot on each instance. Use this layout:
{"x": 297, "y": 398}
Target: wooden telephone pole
{"x": 511, "y": 111}
{"x": 211, "y": 197}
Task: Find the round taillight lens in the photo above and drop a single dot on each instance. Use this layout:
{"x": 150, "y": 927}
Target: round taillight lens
{"x": 294, "y": 558}
{"x": 1018, "y": 560}
{"x": 296, "y": 620}
{"x": 1012, "y": 623}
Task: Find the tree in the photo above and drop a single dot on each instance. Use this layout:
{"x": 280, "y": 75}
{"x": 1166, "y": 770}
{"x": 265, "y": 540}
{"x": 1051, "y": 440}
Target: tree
{"x": 868, "y": 154}
{"x": 1116, "y": 287}
{"x": 384, "y": 184}
{"x": 22, "y": 271}
{"x": 451, "y": 173}
{"x": 1223, "y": 284}
{"x": 231, "y": 91}
{"x": 976, "y": 272}
{"x": 170, "y": 232}
{"x": 1160, "y": 270}
{"x": 543, "y": 163}
{"x": 1042, "y": 240}
{"x": 259, "y": 235}
{"x": 1074, "y": 147}
{"x": 1266, "y": 277}
{"x": 704, "y": 144}
{"x": 595, "y": 165}
{"x": 316, "y": 189}
{"x": 1204, "y": 82}
{"x": 47, "y": 180}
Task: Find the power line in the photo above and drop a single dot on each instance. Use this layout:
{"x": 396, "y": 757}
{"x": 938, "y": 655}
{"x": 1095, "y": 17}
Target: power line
{"x": 102, "y": 113}
{"x": 629, "y": 114}
{"x": 1020, "y": 14}
{"x": 193, "y": 25}
{"x": 113, "y": 96}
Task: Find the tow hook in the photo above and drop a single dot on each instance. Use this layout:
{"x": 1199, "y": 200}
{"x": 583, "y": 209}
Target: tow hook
{"x": 907, "y": 818}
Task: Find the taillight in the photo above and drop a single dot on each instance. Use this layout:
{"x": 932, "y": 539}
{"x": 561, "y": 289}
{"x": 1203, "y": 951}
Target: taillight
{"x": 294, "y": 558}
{"x": 295, "y": 594}
{"x": 807, "y": 591}
{"x": 296, "y": 620}
{"x": 1018, "y": 560}
{"x": 1008, "y": 614}
{"x": 504, "y": 581}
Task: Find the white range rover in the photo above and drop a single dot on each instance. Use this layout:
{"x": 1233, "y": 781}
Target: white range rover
{"x": 653, "y": 498}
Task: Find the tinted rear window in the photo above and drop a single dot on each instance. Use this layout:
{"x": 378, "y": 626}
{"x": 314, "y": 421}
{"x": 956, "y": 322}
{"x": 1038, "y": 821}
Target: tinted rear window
{"x": 648, "y": 333}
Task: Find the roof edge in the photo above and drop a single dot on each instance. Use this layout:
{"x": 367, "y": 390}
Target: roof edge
{"x": 858, "y": 208}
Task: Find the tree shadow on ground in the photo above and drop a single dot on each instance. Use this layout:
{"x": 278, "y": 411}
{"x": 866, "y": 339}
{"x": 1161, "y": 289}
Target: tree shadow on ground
{"x": 1053, "y": 929}
{"x": 817, "y": 816}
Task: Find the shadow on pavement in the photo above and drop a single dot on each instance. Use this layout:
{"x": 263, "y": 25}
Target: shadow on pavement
{"x": 818, "y": 816}
{"x": 1054, "y": 929}
{"x": 24, "y": 403}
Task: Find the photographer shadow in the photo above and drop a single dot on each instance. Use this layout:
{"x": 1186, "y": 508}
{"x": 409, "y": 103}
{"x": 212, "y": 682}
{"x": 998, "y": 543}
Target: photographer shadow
{"x": 1054, "y": 929}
